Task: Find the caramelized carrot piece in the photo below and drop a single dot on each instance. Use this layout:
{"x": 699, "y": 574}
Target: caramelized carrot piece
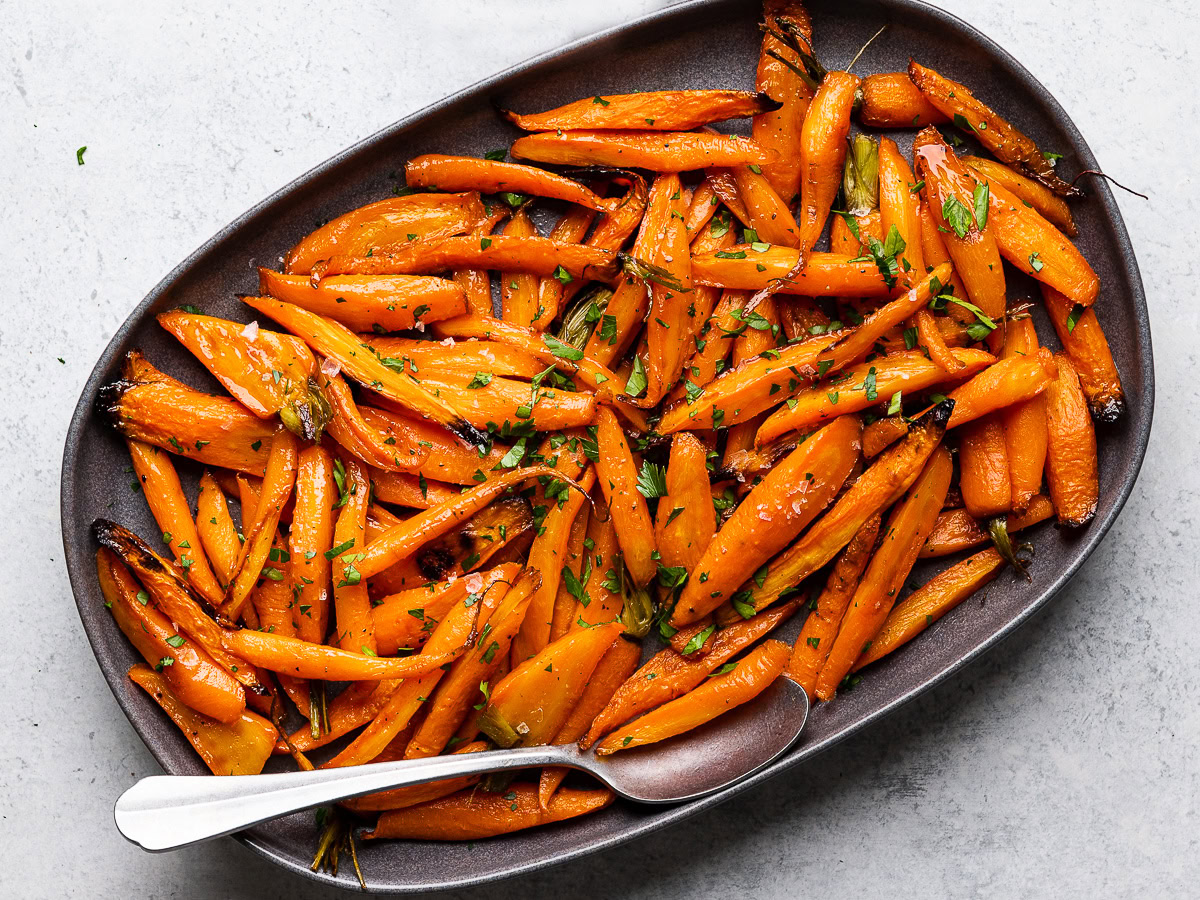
{"x": 618, "y": 477}
{"x": 1024, "y": 423}
{"x": 822, "y": 154}
{"x": 658, "y": 151}
{"x": 703, "y": 207}
{"x": 1045, "y": 201}
{"x": 601, "y": 600}
{"x": 719, "y": 694}
{"x": 408, "y": 490}
{"x": 667, "y": 329}
{"x": 309, "y": 541}
{"x": 473, "y": 815}
{"x": 825, "y": 274}
{"x": 476, "y": 283}
{"x": 301, "y": 659}
{"x": 519, "y": 290}
{"x": 686, "y": 520}
{"x": 659, "y": 110}
{"x": 821, "y": 627}
{"x": 929, "y": 335}
{"x": 891, "y": 100}
{"x": 899, "y": 207}
{"x": 440, "y": 454}
{"x": 724, "y": 187}
{"x": 984, "y": 477}
{"x": 905, "y": 532}
{"x": 576, "y": 559}
{"x": 784, "y": 502}
{"x": 713, "y": 344}
{"x": 374, "y": 446}
{"x": 218, "y": 534}
{"x": 488, "y": 176}
{"x": 769, "y": 214}
{"x": 571, "y": 228}
{"x": 882, "y": 433}
{"x": 1072, "y": 471}
{"x": 389, "y": 223}
{"x": 1083, "y": 339}
{"x": 506, "y": 400}
{"x": 930, "y": 602}
{"x": 352, "y": 608}
{"x": 957, "y": 530}
{"x": 239, "y": 747}
{"x": 1011, "y": 380}
{"x": 463, "y": 357}
{"x": 780, "y": 129}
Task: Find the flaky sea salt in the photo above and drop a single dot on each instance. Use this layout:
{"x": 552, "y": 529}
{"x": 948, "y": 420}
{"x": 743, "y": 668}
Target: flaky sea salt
{"x": 250, "y": 332}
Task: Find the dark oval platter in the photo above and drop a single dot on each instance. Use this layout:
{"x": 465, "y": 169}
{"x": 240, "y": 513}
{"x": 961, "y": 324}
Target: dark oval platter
{"x": 698, "y": 44}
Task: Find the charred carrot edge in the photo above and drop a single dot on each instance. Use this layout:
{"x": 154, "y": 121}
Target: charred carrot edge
{"x": 891, "y": 100}
{"x": 657, "y": 151}
{"x": 1072, "y": 472}
{"x": 1045, "y": 201}
{"x": 957, "y": 530}
{"x": 750, "y": 677}
{"x": 658, "y": 110}
{"x": 930, "y": 602}
{"x": 984, "y": 476}
{"x": 1085, "y": 343}
{"x": 218, "y": 534}
{"x": 1002, "y": 384}
{"x": 903, "y": 536}
{"x": 466, "y": 173}
{"x": 617, "y": 474}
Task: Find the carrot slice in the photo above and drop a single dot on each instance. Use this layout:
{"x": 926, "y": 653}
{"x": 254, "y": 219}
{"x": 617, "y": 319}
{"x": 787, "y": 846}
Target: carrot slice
{"x": 301, "y": 659}
{"x": 1009, "y": 381}
{"x": 218, "y": 534}
{"x": 822, "y": 153}
{"x": 552, "y": 290}
{"x": 355, "y": 628}
{"x": 519, "y": 290}
{"x": 900, "y": 208}
{"x": 686, "y": 520}
{"x": 1045, "y": 201}
{"x": 984, "y": 476}
{"x": 769, "y": 213}
{"x": 957, "y": 529}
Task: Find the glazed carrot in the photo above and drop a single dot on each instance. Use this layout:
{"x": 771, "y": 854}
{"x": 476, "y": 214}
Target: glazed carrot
{"x": 335, "y": 341}
{"x": 476, "y": 283}
{"x": 239, "y": 747}
{"x": 458, "y": 689}
{"x": 519, "y": 290}
{"x": 933, "y": 248}
{"x": 686, "y": 519}
{"x": 1036, "y": 247}
{"x": 368, "y": 302}
{"x": 899, "y": 207}
{"x": 1011, "y": 380}
{"x": 261, "y": 369}
{"x": 164, "y": 494}
{"x": 488, "y": 176}
{"x": 535, "y": 255}
{"x": 218, "y": 534}
{"x": 705, "y": 204}
{"x": 193, "y": 675}
{"x": 667, "y": 329}
{"x": 309, "y": 541}
{"x": 571, "y": 228}
{"x": 408, "y": 490}
{"x": 301, "y": 659}
{"x": 724, "y": 187}
{"x": 1051, "y": 206}
{"x": 355, "y": 629}
{"x": 842, "y": 238}
{"x": 503, "y": 400}
{"x": 387, "y": 224}
{"x": 930, "y": 602}
{"x": 349, "y": 428}
{"x": 891, "y": 100}
{"x": 957, "y": 530}
{"x": 409, "y": 536}
{"x": 148, "y": 406}
{"x": 577, "y": 557}
{"x": 784, "y": 502}
{"x": 440, "y": 454}
{"x": 892, "y": 473}
{"x": 929, "y": 336}
{"x": 531, "y": 703}
{"x": 620, "y": 220}
{"x": 695, "y": 640}
{"x": 769, "y": 214}
{"x": 658, "y": 151}
{"x": 719, "y": 694}
{"x": 1024, "y": 423}
{"x": 1071, "y": 468}
{"x": 984, "y": 477}
{"x": 276, "y": 490}
{"x": 821, "y": 627}
{"x": 822, "y": 153}
{"x": 882, "y": 433}
{"x": 780, "y": 129}
{"x": 473, "y": 815}
{"x": 824, "y": 275}
{"x": 903, "y": 535}
{"x": 463, "y": 357}
{"x": 618, "y": 477}
{"x": 1083, "y": 339}
{"x": 997, "y": 135}
{"x": 659, "y": 110}
{"x": 865, "y": 385}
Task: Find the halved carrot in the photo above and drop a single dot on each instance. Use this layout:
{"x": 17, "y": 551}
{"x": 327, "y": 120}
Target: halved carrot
{"x": 602, "y": 576}
{"x": 374, "y": 446}
{"x": 352, "y": 608}
{"x": 703, "y": 207}
{"x": 984, "y": 477}
{"x": 769, "y": 214}
{"x": 686, "y": 520}
{"x": 780, "y": 129}
{"x": 475, "y": 282}
{"x": 1072, "y": 471}
{"x": 724, "y": 187}
{"x": 658, "y": 151}
{"x": 882, "y": 433}
{"x": 899, "y": 207}
{"x": 504, "y": 400}
{"x": 301, "y": 659}
{"x": 519, "y": 290}
{"x": 667, "y": 330}
{"x": 1085, "y": 343}
{"x": 1008, "y": 381}
{"x": 957, "y": 529}
{"x": 577, "y": 558}
{"x": 659, "y": 110}
{"x": 463, "y": 357}
{"x": 720, "y": 694}
{"x": 903, "y": 536}
{"x": 1045, "y": 201}
{"x": 489, "y": 176}
{"x": 929, "y": 336}
{"x": 891, "y": 100}
{"x": 571, "y": 228}
{"x": 403, "y": 489}
{"x": 748, "y": 268}
{"x": 822, "y": 153}
{"x": 442, "y": 456}
{"x": 1024, "y": 423}
{"x": 618, "y": 477}
{"x": 218, "y": 534}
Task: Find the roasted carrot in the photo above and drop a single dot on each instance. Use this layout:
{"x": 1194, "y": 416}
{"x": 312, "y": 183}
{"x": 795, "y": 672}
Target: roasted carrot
{"x": 571, "y": 228}
{"x": 239, "y": 747}
{"x": 1024, "y": 423}
{"x": 618, "y": 477}
{"x": 778, "y": 76}
{"x": 441, "y": 455}
{"x": 600, "y": 596}
{"x": 519, "y": 290}
{"x": 1072, "y": 471}
{"x": 1011, "y": 380}
{"x": 686, "y": 520}
{"x": 891, "y": 100}
{"x": 577, "y": 558}
{"x": 704, "y": 205}
{"x": 822, "y": 153}
{"x": 658, "y": 151}
{"x": 899, "y": 208}
{"x": 1082, "y": 337}
{"x": 218, "y": 534}
{"x": 784, "y": 502}
{"x": 930, "y": 602}
{"x": 825, "y": 274}
{"x": 667, "y": 329}
{"x": 488, "y": 176}
{"x": 355, "y": 629}
{"x": 502, "y": 400}
{"x": 475, "y": 282}
{"x": 310, "y": 540}
{"x": 882, "y": 433}
{"x": 409, "y": 490}
{"x": 984, "y": 476}
{"x": 1045, "y": 201}
{"x": 769, "y": 214}
{"x": 658, "y": 110}
{"x": 930, "y": 337}
{"x": 375, "y": 446}
{"x": 301, "y": 659}
{"x": 903, "y": 536}
{"x": 724, "y": 187}
{"x": 720, "y": 694}
{"x": 957, "y": 530}
{"x": 463, "y": 357}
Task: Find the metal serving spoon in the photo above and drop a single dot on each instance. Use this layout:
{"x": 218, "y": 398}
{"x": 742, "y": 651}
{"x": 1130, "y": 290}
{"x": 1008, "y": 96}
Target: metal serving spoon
{"x": 165, "y": 812}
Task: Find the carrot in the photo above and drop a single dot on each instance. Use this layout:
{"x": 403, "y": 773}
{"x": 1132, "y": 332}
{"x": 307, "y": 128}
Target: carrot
{"x": 985, "y": 479}
{"x": 368, "y": 302}
{"x": 667, "y": 329}
{"x": 821, "y": 627}
{"x": 1024, "y": 423}
{"x": 1011, "y": 380}
{"x": 218, "y": 534}
{"x": 466, "y": 173}
{"x": 620, "y": 220}
{"x": 825, "y": 274}
{"x": 1049, "y": 204}
{"x": 355, "y": 629}
{"x": 462, "y": 357}
{"x": 239, "y": 747}
{"x": 930, "y": 602}
{"x": 301, "y": 659}
{"x": 703, "y": 207}
{"x": 1083, "y": 339}
{"x": 1071, "y": 467}
{"x": 473, "y": 815}
{"x": 780, "y": 129}
{"x": 164, "y": 494}
{"x": 721, "y": 693}
{"x": 355, "y": 434}
{"x": 783, "y": 503}
{"x": 686, "y": 520}
{"x": 658, "y": 151}
{"x": 822, "y": 153}
{"x": 769, "y": 214}
{"x": 409, "y": 490}
{"x": 997, "y": 135}
{"x": 899, "y": 208}
{"x": 476, "y": 283}
{"x": 713, "y": 344}
{"x": 892, "y": 473}
{"x": 891, "y": 100}
{"x": 957, "y": 529}
{"x": 577, "y": 557}
{"x": 903, "y": 535}
{"x": 387, "y": 224}
{"x": 335, "y": 341}
{"x": 618, "y": 477}
{"x": 571, "y": 228}
{"x": 148, "y": 406}
{"x": 724, "y": 187}
{"x": 519, "y": 290}
{"x": 929, "y": 335}
{"x": 440, "y": 454}
{"x": 310, "y": 540}
{"x": 658, "y": 110}
{"x": 882, "y": 433}
{"x": 504, "y": 400}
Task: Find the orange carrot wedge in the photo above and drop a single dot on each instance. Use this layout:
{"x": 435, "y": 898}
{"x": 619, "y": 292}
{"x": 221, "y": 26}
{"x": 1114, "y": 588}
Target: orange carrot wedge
{"x": 822, "y": 154}
{"x": 352, "y": 608}
{"x": 1024, "y": 423}
{"x": 769, "y": 214}
{"x": 899, "y": 208}
{"x": 686, "y": 519}
{"x": 1002, "y": 384}
{"x": 777, "y": 76}
{"x": 984, "y": 477}
{"x": 309, "y": 542}
{"x": 825, "y": 274}
{"x": 1045, "y": 201}
{"x": 218, "y": 534}
{"x": 957, "y": 530}
{"x": 301, "y": 659}
{"x": 571, "y": 228}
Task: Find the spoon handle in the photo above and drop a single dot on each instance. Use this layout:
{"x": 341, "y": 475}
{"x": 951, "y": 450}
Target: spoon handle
{"x": 164, "y": 812}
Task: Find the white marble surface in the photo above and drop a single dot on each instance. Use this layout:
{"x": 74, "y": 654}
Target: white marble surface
{"x": 1064, "y": 765}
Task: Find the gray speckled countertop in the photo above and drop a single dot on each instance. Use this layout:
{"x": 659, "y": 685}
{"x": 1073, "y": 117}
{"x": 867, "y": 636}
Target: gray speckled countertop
{"x": 1065, "y": 764}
